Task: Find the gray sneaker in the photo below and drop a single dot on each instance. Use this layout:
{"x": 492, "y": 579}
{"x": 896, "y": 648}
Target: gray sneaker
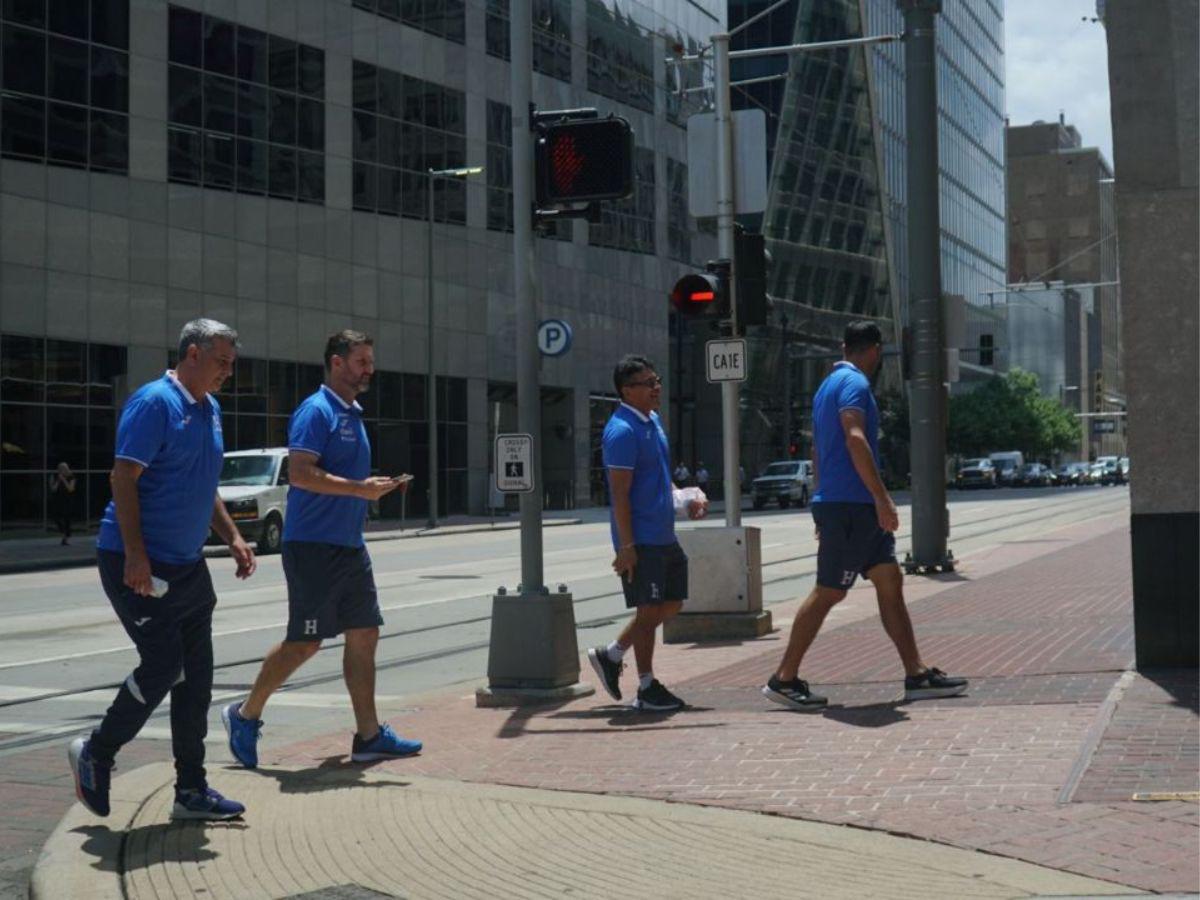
{"x": 933, "y": 683}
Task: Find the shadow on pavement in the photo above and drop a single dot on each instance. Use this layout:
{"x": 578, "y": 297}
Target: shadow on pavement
{"x": 332, "y": 773}
{"x": 188, "y": 843}
{"x": 1180, "y": 684}
{"x": 873, "y": 715}
{"x": 628, "y": 718}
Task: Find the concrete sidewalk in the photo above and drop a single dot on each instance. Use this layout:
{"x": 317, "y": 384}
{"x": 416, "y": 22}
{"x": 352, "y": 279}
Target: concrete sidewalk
{"x": 37, "y": 554}
{"x": 1024, "y": 788}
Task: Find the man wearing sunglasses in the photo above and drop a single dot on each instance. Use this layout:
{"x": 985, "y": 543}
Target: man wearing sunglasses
{"x": 649, "y": 561}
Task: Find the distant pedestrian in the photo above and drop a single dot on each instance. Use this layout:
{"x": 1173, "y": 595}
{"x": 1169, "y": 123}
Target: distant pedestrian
{"x": 649, "y": 561}
{"x": 169, "y": 455}
{"x": 330, "y": 582}
{"x": 681, "y": 474}
{"x": 62, "y": 486}
{"x": 741, "y": 479}
{"x": 856, "y": 523}
{"x": 702, "y": 476}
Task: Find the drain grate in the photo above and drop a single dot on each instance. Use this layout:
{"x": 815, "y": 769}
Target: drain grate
{"x": 345, "y": 892}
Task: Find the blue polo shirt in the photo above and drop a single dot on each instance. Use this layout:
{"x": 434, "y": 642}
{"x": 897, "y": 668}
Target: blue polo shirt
{"x": 332, "y": 430}
{"x": 846, "y": 387}
{"x": 637, "y": 442}
{"x": 178, "y": 442}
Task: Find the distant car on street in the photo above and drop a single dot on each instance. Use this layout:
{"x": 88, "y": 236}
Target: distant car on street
{"x": 1036, "y": 475}
{"x": 1008, "y": 465}
{"x": 1072, "y": 473}
{"x": 254, "y": 487}
{"x": 786, "y": 482}
{"x": 1112, "y": 472}
{"x": 979, "y": 473}
{"x": 1096, "y": 473}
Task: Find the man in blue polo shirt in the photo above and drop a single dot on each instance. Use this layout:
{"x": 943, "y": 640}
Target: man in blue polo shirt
{"x": 169, "y": 455}
{"x": 649, "y": 561}
{"x": 331, "y": 586}
{"x": 856, "y": 523}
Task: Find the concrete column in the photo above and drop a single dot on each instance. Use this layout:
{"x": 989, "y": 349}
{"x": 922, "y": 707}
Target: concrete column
{"x": 1152, "y": 64}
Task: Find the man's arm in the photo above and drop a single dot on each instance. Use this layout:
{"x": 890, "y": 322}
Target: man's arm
{"x": 223, "y": 525}
{"x": 620, "y": 481}
{"x": 304, "y": 473}
{"x": 859, "y": 448}
{"x": 124, "y": 478}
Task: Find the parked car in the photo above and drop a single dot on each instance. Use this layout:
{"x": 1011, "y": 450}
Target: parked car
{"x": 1008, "y": 465}
{"x": 1096, "y": 473}
{"x": 1073, "y": 473}
{"x": 1123, "y": 462}
{"x": 1036, "y": 475}
{"x": 1111, "y": 472}
{"x": 977, "y": 473}
{"x": 254, "y": 486}
{"x": 786, "y": 482}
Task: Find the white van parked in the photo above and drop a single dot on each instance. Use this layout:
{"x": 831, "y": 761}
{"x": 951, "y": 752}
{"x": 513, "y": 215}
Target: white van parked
{"x": 254, "y": 487}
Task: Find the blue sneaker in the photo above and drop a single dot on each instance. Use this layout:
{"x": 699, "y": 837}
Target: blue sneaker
{"x": 243, "y": 735}
{"x": 205, "y": 804}
{"x": 91, "y": 778}
{"x": 385, "y": 745}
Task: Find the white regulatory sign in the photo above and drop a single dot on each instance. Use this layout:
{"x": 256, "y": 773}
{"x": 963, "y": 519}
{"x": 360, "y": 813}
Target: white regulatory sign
{"x": 726, "y": 360}
{"x": 514, "y": 463}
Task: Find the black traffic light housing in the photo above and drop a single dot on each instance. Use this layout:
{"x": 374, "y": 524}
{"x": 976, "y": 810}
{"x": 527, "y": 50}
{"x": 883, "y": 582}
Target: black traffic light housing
{"x": 750, "y": 253}
{"x": 703, "y": 295}
{"x": 581, "y": 158}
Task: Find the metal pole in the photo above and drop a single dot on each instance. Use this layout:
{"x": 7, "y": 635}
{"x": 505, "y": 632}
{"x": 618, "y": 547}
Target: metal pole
{"x": 430, "y": 376}
{"x": 730, "y": 424}
{"x": 529, "y": 413}
{"x": 930, "y": 525}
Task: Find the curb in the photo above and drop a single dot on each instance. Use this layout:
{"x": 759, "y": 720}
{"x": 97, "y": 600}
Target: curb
{"x": 81, "y": 856}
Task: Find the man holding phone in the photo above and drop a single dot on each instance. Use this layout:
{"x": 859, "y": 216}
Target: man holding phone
{"x": 169, "y": 455}
{"x": 331, "y": 585}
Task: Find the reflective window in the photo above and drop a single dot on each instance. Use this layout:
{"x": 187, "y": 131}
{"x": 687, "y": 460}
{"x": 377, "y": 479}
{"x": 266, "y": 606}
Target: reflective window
{"x": 629, "y": 224}
{"x": 551, "y": 35}
{"x": 445, "y": 18}
{"x": 245, "y": 109}
{"x": 499, "y": 176}
{"x": 680, "y": 225}
{"x": 64, "y": 83}
{"x": 57, "y": 405}
{"x": 620, "y": 56}
{"x": 403, "y": 127}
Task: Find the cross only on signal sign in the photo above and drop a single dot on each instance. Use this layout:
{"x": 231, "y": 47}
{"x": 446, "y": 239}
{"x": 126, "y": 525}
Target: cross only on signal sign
{"x": 726, "y": 360}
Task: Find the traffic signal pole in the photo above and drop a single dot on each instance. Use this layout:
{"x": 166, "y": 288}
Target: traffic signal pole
{"x": 927, "y": 391}
{"x": 533, "y": 654}
{"x": 730, "y": 412}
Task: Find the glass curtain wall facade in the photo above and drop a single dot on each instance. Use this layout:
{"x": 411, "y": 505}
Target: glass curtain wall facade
{"x": 266, "y": 165}
{"x": 836, "y": 217}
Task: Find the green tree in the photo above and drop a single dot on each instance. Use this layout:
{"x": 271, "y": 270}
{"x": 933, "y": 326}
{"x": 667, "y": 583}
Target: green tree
{"x": 1009, "y": 413}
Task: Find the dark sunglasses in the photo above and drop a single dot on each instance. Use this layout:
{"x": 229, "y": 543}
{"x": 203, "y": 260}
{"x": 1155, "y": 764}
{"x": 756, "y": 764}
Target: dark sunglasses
{"x": 649, "y": 383}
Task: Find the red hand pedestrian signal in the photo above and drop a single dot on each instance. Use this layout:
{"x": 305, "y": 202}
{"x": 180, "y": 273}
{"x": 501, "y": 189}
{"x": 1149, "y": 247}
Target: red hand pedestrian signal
{"x": 582, "y": 160}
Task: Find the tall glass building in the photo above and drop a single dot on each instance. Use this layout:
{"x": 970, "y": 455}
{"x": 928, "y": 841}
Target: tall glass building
{"x": 265, "y": 164}
{"x": 835, "y": 222}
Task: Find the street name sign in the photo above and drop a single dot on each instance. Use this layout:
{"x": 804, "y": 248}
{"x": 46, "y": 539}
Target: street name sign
{"x": 514, "y": 463}
{"x": 726, "y": 360}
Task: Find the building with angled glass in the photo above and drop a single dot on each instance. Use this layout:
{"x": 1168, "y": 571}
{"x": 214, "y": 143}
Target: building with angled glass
{"x": 835, "y": 223}
{"x": 265, "y": 164}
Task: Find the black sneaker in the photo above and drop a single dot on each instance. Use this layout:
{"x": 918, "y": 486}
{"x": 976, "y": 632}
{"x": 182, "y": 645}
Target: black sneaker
{"x": 657, "y": 698}
{"x": 933, "y": 683}
{"x": 793, "y": 694}
{"x": 608, "y": 671}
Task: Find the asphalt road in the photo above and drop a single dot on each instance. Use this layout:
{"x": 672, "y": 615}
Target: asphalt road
{"x": 63, "y": 654}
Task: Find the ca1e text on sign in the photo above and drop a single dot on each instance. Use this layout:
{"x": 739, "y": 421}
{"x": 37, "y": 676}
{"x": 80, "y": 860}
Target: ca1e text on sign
{"x": 726, "y": 360}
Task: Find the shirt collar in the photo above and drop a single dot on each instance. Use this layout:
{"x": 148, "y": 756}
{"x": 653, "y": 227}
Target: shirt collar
{"x": 332, "y": 393}
{"x": 846, "y": 362}
{"x": 174, "y": 379}
{"x": 637, "y": 412}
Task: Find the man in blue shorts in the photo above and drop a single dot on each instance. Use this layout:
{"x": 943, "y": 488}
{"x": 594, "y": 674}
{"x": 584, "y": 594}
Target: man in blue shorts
{"x": 331, "y": 586}
{"x": 169, "y": 455}
{"x": 651, "y": 564}
{"x": 856, "y": 523}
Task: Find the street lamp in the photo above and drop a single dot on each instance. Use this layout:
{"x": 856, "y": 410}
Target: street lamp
{"x": 430, "y": 375}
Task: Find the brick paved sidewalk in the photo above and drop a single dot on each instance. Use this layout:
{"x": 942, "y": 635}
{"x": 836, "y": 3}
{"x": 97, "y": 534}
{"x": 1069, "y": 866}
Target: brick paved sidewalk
{"x": 1038, "y": 763}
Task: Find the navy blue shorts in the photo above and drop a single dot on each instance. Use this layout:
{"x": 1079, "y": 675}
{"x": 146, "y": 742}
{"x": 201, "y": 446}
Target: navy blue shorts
{"x": 851, "y": 543}
{"x": 331, "y": 588}
{"x": 661, "y": 574}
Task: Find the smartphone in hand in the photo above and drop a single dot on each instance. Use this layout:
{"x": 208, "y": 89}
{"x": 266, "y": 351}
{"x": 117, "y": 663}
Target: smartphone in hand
{"x": 401, "y": 479}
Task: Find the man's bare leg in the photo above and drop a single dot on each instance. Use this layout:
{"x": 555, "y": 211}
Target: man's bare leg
{"x": 358, "y": 668}
{"x": 805, "y": 627}
{"x": 282, "y": 660}
{"x": 642, "y": 629}
{"x": 889, "y": 593}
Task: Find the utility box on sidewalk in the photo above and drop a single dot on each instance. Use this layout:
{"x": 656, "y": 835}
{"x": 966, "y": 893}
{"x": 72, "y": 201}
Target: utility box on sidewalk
{"x": 724, "y": 587}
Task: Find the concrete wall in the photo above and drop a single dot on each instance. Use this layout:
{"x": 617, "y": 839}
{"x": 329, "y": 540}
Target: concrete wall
{"x": 1153, "y": 71}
